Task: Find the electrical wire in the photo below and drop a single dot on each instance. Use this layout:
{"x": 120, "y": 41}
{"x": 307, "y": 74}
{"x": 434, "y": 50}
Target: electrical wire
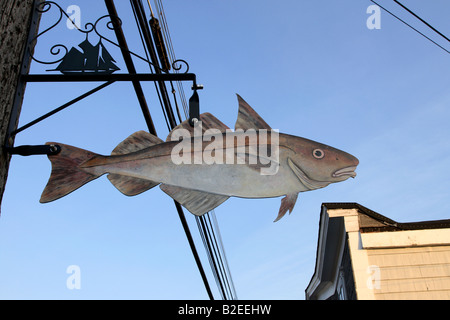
{"x": 422, "y": 20}
{"x": 149, "y": 64}
{"x": 216, "y": 225}
{"x": 169, "y": 46}
{"x": 146, "y": 38}
{"x": 208, "y": 229}
{"x": 216, "y": 255}
{"x": 224, "y": 267}
{"x": 423, "y": 35}
{"x": 206, "y": 238}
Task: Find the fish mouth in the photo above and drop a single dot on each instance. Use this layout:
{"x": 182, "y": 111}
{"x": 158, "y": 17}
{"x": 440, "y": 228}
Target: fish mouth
{"x": 345, "y": 172}
{"x": 309, "y": 183}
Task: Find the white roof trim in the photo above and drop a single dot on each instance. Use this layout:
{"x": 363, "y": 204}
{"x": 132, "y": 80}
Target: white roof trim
{"x": 407, "y": 238}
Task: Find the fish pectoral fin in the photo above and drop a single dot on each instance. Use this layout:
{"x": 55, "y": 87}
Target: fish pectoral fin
{"x": 137, "y": 141}
{"x": 287, "y": 203}
{"x": 197, "y": 202}
{"x": 131, "y": 186}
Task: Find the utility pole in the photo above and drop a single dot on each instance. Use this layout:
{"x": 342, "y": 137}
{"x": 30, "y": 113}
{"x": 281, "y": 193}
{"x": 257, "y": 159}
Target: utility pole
{"x": 19, "y": 22}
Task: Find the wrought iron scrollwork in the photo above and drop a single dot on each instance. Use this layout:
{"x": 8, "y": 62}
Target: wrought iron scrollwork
{"x": 61, "y": 51}
{"x": 177, "y": 65}
{"x": 55, "y": 50}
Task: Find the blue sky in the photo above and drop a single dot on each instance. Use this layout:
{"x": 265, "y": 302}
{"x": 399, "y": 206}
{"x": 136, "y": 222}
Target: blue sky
{"x": 311, "y": 69}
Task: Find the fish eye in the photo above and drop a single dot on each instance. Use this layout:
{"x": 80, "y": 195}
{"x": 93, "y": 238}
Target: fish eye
{"x": 318, "y": 153}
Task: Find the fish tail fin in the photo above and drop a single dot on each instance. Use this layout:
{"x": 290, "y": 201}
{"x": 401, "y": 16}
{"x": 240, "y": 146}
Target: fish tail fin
{"x": 67, "y": 176}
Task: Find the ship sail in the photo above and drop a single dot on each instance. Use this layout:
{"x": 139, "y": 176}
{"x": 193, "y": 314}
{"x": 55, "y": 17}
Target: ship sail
{"x": 73, "y": 60}
{"x": 93, "y": 59}
{"x": 105, "y": 60}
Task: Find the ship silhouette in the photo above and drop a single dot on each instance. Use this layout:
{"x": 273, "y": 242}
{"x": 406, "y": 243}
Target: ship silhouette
{"x": 93, "y": 59}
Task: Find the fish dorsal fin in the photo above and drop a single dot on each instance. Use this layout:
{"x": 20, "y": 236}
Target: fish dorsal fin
{"x": 249, "y": 118}
{"x": 197, "y": 202}
{"x": 137, "y": 141}
{"x": 208, "y": 121}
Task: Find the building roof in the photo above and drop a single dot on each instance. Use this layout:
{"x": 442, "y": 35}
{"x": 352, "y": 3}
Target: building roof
{"x": 376, "y": 231}
{"x": 371, "y": 221}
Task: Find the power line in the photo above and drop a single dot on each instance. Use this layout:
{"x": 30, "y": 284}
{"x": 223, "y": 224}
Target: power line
{"x": 171, "y": 52}
{"x": 160, "y": 27}
{"x": 209, "y": 231}
{"x": 141, "y": 35}
{"x": 227, "y": 267}
{"x": 160, "y": 37}
{"x": 423, "y": 35}
{"x": 212, "y": 254}
{"x": 426, "y": 23}
{"x": 141, "y": 21}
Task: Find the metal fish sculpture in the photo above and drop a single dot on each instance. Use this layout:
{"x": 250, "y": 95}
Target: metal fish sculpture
{"x": 202, "y": 167}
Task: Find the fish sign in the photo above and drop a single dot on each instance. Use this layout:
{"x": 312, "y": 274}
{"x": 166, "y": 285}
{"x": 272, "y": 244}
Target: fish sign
{"x": 202, "y": 166}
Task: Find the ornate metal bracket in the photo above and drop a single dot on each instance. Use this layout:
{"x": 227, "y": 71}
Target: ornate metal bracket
{"x": 70, "y": 60}
{"x": 50, "y": 150}
{"x": 93, "y": 63}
